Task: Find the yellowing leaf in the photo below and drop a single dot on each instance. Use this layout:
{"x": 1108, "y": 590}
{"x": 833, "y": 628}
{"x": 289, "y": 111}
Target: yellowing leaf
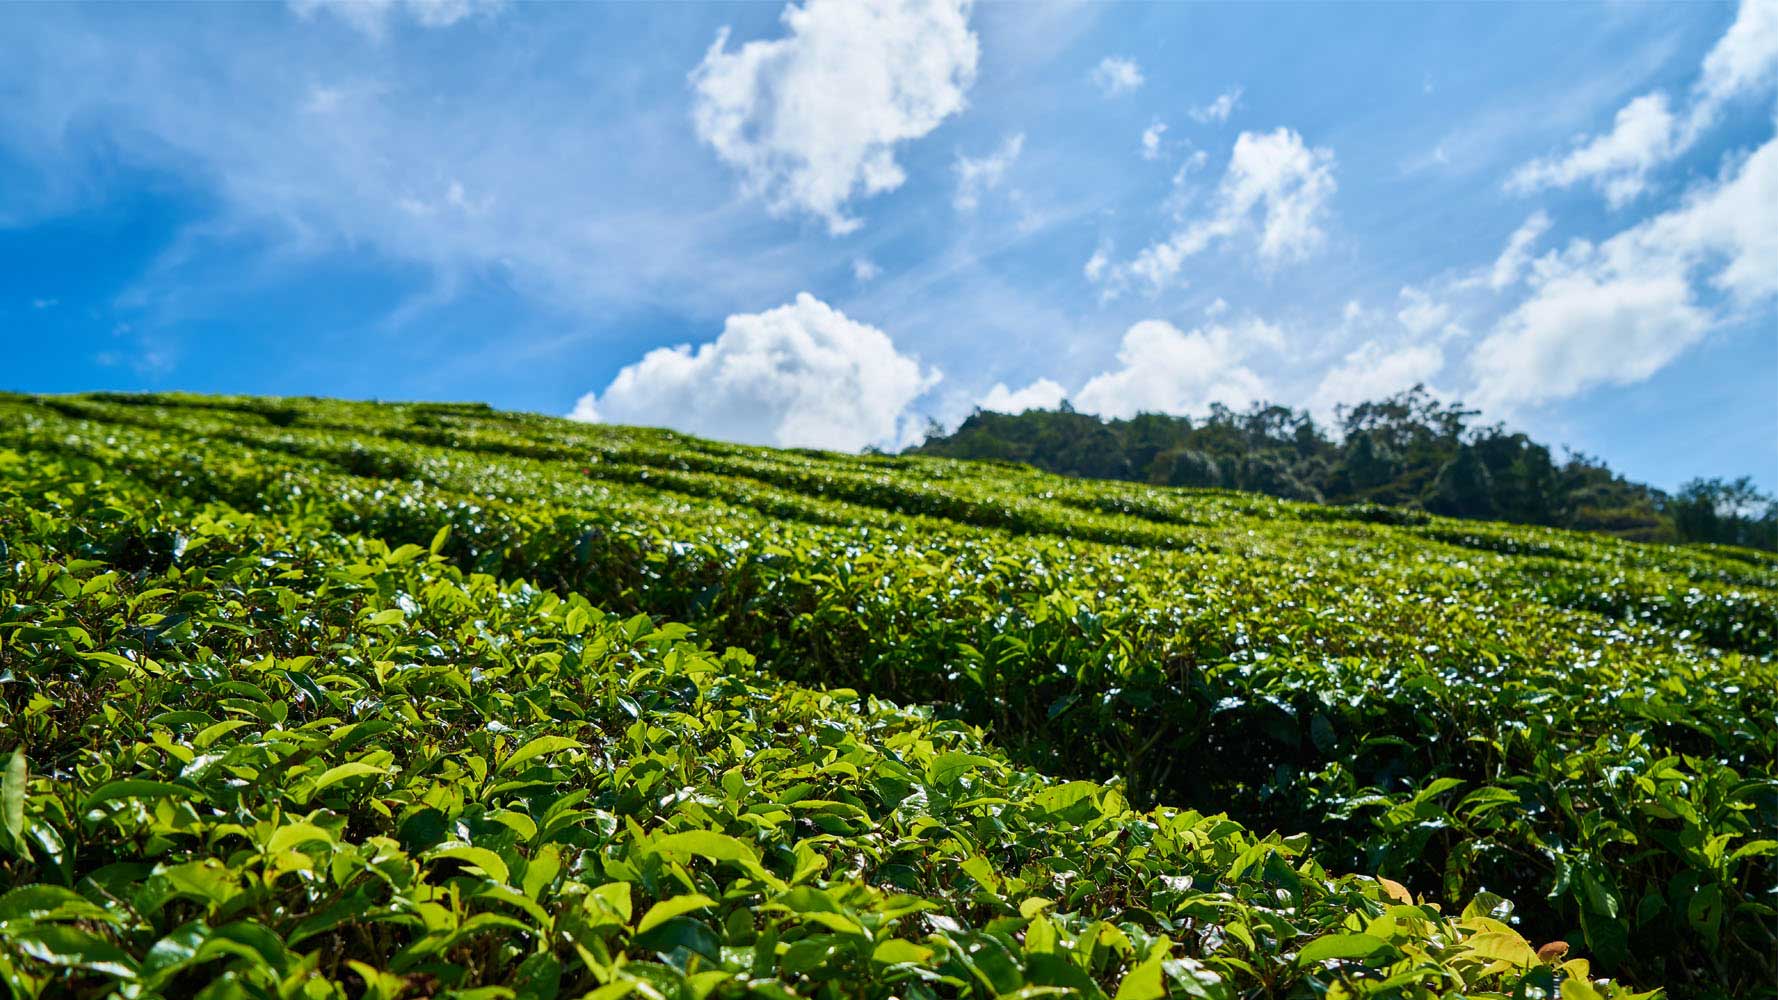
{"x": 12, "y": 796}
{"x": 1502, "y": 946}
{"x": 1395, "y": 890}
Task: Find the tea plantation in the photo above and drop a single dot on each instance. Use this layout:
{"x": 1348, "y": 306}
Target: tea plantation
{"x": 312, "y": 699}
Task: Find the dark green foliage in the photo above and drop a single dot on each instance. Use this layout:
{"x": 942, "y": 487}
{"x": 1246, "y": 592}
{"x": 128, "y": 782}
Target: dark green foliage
{"x": 1726, "y": 513}
{"x": 1409, "y": 450}
{"x": 1463, "y": 487}
{"x": 1584, "y": 724}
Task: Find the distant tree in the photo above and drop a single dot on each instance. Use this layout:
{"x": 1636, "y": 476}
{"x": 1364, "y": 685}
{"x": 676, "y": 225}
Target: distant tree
{"x": 1185, "y": 467}
{"x": 1369, "y": 463}
{"x": 1463, "y": 487}
{"x": 1410, "y": 449}
{"x": 1729, "y": 512}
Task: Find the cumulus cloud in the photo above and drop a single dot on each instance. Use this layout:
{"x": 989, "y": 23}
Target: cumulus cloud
{"x": 372, "y": 17}
{"x": 1276, "y": 188}
{"x": 1166, "y": 370}
{"x": 1117, "y": 75}
{"x": 1649, "y": 132}
{"x": 1733, "y": 222}
{"x": 1619, "y": 311}
{"x": 1586, "y": 328}
{"x": 978, "y": 174}
{"x": 1219, "y": 109}
{"x": 1645, "y": 135}
{"x": 801, "y": 375}
{"x": 1042, "y": 394}
{"x": 1374, "y": 370}
{"x": 812, "y": 119}
{"x": 1517, "y": 254}
{"x": 864, "y": 269}
{"x": 1745, "y": 59}
{"x": 1289, "y": 184}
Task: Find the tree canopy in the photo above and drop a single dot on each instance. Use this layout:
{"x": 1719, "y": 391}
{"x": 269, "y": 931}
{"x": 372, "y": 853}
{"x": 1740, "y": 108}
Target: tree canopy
{"x": 1412, "y": 450}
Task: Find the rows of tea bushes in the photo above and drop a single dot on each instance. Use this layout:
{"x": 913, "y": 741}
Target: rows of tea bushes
{"x": 1583, "y": 724}
{"x": 280, "y": 761}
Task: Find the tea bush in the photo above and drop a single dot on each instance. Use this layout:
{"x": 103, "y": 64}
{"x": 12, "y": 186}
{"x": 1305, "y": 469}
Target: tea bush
{"x": 994, "y": 730}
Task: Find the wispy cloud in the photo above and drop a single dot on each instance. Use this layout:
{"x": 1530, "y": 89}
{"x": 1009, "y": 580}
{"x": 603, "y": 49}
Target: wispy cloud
{"x": 1117, "y": 75}
{"x": 1151, "y": 140}
{"x": 1649, "y": 131}
{"x": 976, "y": 175}
{"x": 374, "y": 17}
{"x": 1219, "y": 109}
{"x": 1276, "y": 188}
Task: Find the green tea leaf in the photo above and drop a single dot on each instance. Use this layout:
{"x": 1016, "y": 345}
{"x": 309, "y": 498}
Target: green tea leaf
{"x": 667, "y": 909}
{"x": 1337, "y": 946}
{"x": 536, "y": 748}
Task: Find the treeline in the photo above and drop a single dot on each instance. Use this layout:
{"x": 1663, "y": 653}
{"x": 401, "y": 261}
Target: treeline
{"x": 1410, "y": 450}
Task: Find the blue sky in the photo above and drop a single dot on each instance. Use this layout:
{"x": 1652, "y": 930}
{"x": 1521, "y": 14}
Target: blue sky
{"x": 824, "y": 223}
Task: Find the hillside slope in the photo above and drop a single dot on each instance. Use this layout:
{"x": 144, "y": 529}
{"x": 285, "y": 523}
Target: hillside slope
{"x": 300, "y": 681}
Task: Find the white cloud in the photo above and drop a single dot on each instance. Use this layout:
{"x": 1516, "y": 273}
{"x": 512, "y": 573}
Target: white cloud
{"x": 1216, "y": 308}
{"x": 1096, "y": 264}
{"x": 1116, "y": 75}
{"x": 1745, "y": 59}
{"x": 1289, "y": 182}
{"x": 1734, "y": 222}
{"x": 1151, "y": 140}
{"x": 1275, "y": 187}
{"x": 1644, "y": 136}
{"x": 1648, "y": 132}
{"x": 304, "y": 147}
{"x": 864, "y": 269}
{"x": 1166, "y": 370}
{"x": 1618, "y": 312}
{"x": 41, "y": 304}
{"x": 1375, "y": 370}
{"x": 1219, "y": 109}
{"x": 1420, "y": 313}
{"x": 812, "y": 119}
{"x": 454, "y": 198}
{"x": 1512, "y": 260}
{"x": 1042, "y": 394}
{"x": 978, "y": 174}
{"x": 1586, "y": 328}
{"x": 800, "y": 375}
{"x": 372, "y": 17}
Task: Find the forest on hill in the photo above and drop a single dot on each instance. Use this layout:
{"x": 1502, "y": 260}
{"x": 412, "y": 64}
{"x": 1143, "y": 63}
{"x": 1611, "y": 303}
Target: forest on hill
{"x": 1410, "y": 450}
